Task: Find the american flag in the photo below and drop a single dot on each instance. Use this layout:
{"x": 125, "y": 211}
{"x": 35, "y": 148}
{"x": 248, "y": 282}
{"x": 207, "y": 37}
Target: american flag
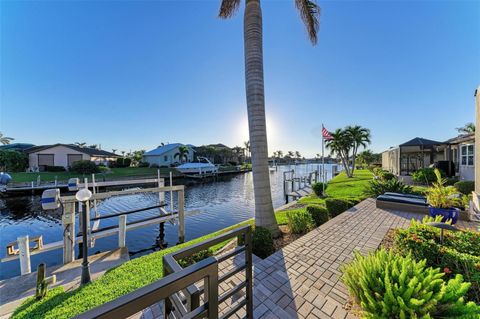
{"x": 326, "y": 134}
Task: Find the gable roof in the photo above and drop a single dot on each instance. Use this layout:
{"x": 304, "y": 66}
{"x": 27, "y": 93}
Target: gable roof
{"x": 461, "y": 138}
{"x": 419, "y": 141}
{"x": 86, "y": 150}
{"x": 164, "y": 149}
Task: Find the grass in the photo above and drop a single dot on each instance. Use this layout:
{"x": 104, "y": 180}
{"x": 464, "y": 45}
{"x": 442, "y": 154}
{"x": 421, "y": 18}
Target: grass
{"x": 113, "y": 174}
{"x": 339, "y": 187}
{"x": 116, "y": 282}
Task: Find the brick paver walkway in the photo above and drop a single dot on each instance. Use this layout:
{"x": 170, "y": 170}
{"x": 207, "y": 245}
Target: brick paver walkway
{"x": 302, "y": 280}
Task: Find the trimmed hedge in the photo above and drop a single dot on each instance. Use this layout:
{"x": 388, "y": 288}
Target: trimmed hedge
{"x": 318, "y": 188}
{"x": 84, "y": 167}
{"x": 300, "y": 222}
{"x": 319, "y": 214}
{"x": 54, "y": 169}
{"x": 262, "y": 242}
{"x": 336, "y": 206}
{"x": 465, "y": 187}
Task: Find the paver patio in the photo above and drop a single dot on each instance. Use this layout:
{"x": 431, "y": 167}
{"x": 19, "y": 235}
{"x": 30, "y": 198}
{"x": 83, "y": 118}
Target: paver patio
{"x": 302, "y": 280}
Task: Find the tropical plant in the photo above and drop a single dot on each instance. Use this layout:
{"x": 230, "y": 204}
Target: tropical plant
{"x": 424, "y": 176}
{"x": 279, "y": 154}
{"x": 298, "y": 155}
{"x": 262, "y": 242}
{"x": 137, "y": 156}
{"x": 309, "y": 13}
{"x": 95, "y": 146}
{"x": 465, "y": 187}
{"x": 387, "y": 285}
{"x": 5, "y": 140}
{"x": 182, "y": 153}
{"x": 379, "y": 187}
{"x": 466, "y": 129}
{"x": 114, "y": 150}
{"x": 441, "y": 196}
{"x": 246, "y": 147}
{"x": 80, "y": 144}
{"x": 367, "y": 158}
{"x": 360, "y": 137}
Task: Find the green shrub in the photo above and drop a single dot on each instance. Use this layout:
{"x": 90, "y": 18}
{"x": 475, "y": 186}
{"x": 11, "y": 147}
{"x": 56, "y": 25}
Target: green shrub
{"x": 465, "y": 187}
{"x": 84, "y": 167}
{"x": 318, "y": 188}
{"x": 190, "y": 260}
{"x": 425, "y": 176}
{"x": 336, "y": 206}
{"x": 123, "y": 162}
{"x": 458, "y": 254}
{"x": 386, "y": 285}
{"x": 54, "y": 169}
{"x": 319, "y": 214}
{"x": 13, "y": 161}
{"x": 383, "y": 174}
{"x": 300, "y": 222}
{"x": 262, "y": 242}
{"x": 143, "y": 164}
{"x": 376, "y": 188}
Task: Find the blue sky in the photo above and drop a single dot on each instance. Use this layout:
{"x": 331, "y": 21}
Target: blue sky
{"x": 133, "y": 74}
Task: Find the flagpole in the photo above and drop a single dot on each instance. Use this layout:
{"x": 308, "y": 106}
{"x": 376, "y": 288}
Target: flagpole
{"x": 323, "y": 162}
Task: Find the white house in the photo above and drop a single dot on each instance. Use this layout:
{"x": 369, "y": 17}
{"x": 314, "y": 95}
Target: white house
{"x": 65, "y": 155}
{"x": 461, "y": 150}
{"x": 167, "y": 155}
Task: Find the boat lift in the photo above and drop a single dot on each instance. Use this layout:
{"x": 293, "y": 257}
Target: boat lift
{"x": 51, "y": 200}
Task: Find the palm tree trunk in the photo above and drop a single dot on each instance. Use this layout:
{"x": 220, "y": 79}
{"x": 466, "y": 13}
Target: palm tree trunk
{"x": 264, "y": 214}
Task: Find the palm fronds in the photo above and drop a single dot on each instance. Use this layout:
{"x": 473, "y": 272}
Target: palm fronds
{"x": 228, "y": 8}
{"x": 309, "y": 12}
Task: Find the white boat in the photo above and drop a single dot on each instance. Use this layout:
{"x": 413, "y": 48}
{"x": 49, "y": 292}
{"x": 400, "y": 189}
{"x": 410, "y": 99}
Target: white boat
{"x": 201, "y": 167}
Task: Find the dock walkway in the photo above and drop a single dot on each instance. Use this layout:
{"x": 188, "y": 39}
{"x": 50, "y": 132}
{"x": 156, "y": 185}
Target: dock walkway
{"x": 13, "y": 291}
{"x": 302, "y": 280}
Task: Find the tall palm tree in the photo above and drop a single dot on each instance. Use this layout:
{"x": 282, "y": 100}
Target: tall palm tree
{"x": 360, "y": 137}
{"x": 5, "y": 140}
{"x": 246, "y": 146}
{"x": 298, "y": 155}
{"x": 252, "y": 37}
{"x": 279, "y": 154}
{"x": 341, "y": 144}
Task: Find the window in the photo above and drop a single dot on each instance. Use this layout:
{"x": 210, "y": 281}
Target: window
{"x": 72, "y": 158}
{"x": 45, "y": 160}
{"x": 165, "y": 158}
{"x": 466, "y": 155}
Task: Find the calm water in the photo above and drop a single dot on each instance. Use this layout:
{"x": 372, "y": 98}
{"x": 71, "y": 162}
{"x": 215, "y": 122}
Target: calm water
{"x": 222, "y": 203}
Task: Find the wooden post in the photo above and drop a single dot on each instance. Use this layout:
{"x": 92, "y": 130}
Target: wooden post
{"x": 68, "y": 220}
{"x": 161, "y": 183}
{"x": 24, "y": 249}
{"x": 171, "y": 193}
{"x": 181, "y": 216}
{"x": 122, "y": 230}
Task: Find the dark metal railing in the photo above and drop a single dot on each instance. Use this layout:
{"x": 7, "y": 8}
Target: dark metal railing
{"x": 178, "y": 288}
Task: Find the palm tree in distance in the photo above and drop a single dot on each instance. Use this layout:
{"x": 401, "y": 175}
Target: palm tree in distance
{"x": 279, "y": 154}
{"x": 182, "y": 153}
{"x": 360, "y": 137}
{"x": 80, "y": 144}
{"x": 466, "y": 129}
{"x": 114, "y": 150}
{"x": 340, "y": 144}
{"x": 252, "y": 37}
{"x": 246, "y": 146}
{"x": 5, "y": 140}
{"x": 298, "y": 155}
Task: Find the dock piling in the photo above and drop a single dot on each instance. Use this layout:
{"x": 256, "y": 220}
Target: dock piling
{"x": 181, "y": 216}
{"x": 24, "y": 251}
{"x": 122, "y": 230}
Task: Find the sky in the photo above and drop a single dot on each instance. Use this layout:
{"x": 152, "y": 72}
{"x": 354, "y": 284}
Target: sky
{"x": 132, "y": 74}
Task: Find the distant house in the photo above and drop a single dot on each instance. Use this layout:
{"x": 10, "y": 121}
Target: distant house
{"x": 167, "y": 155}
{"x": 420, "y": 153}
{"x": 39, "y": 157}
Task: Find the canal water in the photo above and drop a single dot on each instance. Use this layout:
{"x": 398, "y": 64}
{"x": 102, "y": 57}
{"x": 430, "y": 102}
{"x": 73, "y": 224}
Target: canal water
{"x": 223, "y": 202}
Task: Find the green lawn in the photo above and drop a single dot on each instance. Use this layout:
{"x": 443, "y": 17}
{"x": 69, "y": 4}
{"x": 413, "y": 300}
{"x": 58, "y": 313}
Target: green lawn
{"x": 116, "y": 282}
{"x": 113, "y": 174}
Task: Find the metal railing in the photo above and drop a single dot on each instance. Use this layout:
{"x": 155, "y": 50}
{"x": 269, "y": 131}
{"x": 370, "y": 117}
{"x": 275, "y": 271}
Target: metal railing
{"x": 179, "y": 290}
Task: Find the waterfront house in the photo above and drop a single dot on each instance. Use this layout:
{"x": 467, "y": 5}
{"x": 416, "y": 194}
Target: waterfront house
{"x": 40, "y": 157}
{"x": 167, "y": 155}
{"x": 419, "y": 153}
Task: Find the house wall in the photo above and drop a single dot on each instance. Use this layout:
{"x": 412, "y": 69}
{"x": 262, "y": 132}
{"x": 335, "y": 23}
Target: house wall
{"x": 166, "y": 158}
{"x": 60, "y": 156}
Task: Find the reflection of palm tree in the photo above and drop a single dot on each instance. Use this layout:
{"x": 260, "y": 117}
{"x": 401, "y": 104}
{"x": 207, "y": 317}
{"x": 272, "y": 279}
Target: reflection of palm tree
{"x": 309, "y": 11}
{"x": 5, "y": 140}
{"x": 182, "y": 153}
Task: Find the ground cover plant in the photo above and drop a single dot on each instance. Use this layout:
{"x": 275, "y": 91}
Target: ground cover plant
{"x": 387, "y": 285}
{"x": 458, "y": 254}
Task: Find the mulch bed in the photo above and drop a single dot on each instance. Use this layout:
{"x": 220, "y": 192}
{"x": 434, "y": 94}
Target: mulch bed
{"x": 388, "y": 240}
{"x": 286, "y": 238}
